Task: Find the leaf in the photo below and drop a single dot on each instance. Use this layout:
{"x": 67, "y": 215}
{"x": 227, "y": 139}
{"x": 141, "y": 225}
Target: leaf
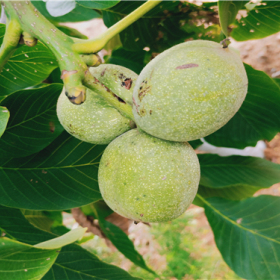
{"x": 73, "y": 261}
{"x": 4, "y": 117}
{"x": 120, "y": 240}
{"x": 227, "y": 13}
{"x": 27, "y": 67}
{"x": 247, "y": 233}
{"x": 78, "y": 14}
{"x": 258, "y": 117}
{"x": 43, "y": 219}
{"x": 260, "y": 22}
{"x": 196, "y": 143}
{"x": 24, "y": 262}
{"x": 100, "y": 5}
{"x": 160, "y": 28}
{"x": 63, "y": 240}
{"x": 232, "y": 193}
{"x": 132, "y": 60}
{"x": 33, "y": 124}
{"x": 238, "y": 171}
{"x": 71, "y": 32}
{"x": 62, "y": 176}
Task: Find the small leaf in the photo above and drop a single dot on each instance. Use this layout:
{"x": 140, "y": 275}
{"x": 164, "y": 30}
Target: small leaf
{"x": 222, "y": 172}
{"x": 247, "y": 233}
{"x": 4, "y": 117}
{"x": 63, "y": 240}
{"x": 121, "y": 241}
{"x": 62, "y": 176}
{"x": 227, "y": 13}
{"x": 258, "y": 117}
{"x": 24, "y": 262}
{"x": 33, "y": 124}
{"x": 262, "y": 21}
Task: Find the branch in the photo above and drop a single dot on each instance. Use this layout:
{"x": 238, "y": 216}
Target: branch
{"x": 95, "y": 45}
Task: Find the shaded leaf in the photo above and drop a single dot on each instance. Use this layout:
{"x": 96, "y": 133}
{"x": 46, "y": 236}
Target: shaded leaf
{"x": 33, "y": 124}
{"x": 78, "y": 14}
{"x": 100, "y": 5}
{"x": 4, "y": 117}
{"x": 232, "y": 193}
{"x": 247, "y": 233}
{"x": 132, "y": 60}
{"x": 222, "y": 172}
{"x": 71, "y": 32}
{"x": 24, "y": 262}
{"x": 27, "y": 67}
{"x": 73, "y": 261}
{"x": 262, "y": 21}
{"x": 227, "y": 13}
{"x": 258, "y": 117}
{"x": 121, "y": 241}
{"x": 196, "y": 143}
{"x": 62, "y": 176}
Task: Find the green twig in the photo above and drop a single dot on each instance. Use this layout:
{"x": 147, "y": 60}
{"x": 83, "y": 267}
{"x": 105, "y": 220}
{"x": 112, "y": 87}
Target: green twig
{"x": 95, "y": 45}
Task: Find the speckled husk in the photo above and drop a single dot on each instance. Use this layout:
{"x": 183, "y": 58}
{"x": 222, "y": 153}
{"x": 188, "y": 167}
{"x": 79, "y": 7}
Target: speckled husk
{"x": 189, "y": 91}
{"x": 148, "y": 179}
{"x": 96, "y": 121}
{"x": 122, "y": 80}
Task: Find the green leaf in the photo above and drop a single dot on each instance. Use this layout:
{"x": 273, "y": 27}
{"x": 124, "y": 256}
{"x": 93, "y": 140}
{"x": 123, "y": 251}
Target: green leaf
{"x": 232, "y": 193}
{"x": 63, "y": 240}
{"x": 247, "y": 233}
{"x": 120, "y": 240}
{"x": 100, "y": 5}
{"x": 196, "y": 143}
{"x": 132, "y": 60}
{"x": 33, "y": 124}
{"x": 227, "y": 13}
{"x": 27, "y": 67}
{"x": 78, "y": 14}
{"x": 162, "y": 27}
{"x": 73, "y": 261}
{"x": 43, "y": 219}
{"x": 24, "y": 262}
{"x": 238, "y": 171}
{"x": 4, "y": 117}
{"x": 260, "y": 22}
{"x": 258, "y": 117}
{"x": 62, "y": 176}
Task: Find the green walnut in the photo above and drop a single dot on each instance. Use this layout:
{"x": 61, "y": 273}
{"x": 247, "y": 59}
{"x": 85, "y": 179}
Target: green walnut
{"x": 189, "y": 91}
{"x": 96, "y": 121}
{"x": 148, "y": 179}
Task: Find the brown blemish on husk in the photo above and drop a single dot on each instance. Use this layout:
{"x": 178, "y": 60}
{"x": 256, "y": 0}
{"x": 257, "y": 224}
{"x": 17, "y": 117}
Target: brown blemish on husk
{"x": 185, "y": 66}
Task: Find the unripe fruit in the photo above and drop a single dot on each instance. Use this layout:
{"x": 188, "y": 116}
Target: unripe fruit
{"x": 96, "y": 121}
{"x": 148, "y": 179}
{"x": 189, "y": 91}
